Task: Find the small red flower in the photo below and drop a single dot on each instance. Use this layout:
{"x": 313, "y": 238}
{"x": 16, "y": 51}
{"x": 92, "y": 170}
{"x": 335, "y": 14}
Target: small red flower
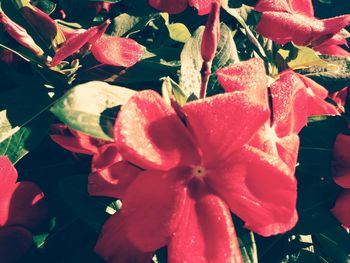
{"x": 293, "y": 20}
{"x": 341, "y": 175}
{"x": 22, "y": 208}
{"x": 193, "y": 175}
{"x": 110, "y": 173}
{"x": 175, "y": 7}
{"x": 108, "y": 50}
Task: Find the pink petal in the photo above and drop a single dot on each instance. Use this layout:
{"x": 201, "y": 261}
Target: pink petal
{"x": 259, "y": 188}
{"x": 20, "y": 34}
{"x": 15, "y": 242}
{"x": 335, "y": 24}
{"x": 74, "y": 141}
{"x": 77, "y": 41}
{"x": 273, "y": 5}
{"x": 332, "y": 50}
{"x": 25, "y": 206}
{"x": 289, "y": 101}
{"x": 106, "y": 156}
{"x": 149, "y": 134}
{"x": 158, "y": 200}
{"x": 203, "y": 6}
{"x": 248, "y": 76}
{"x": 339, "y": 98}
{"x": 300, "y": 29}
{"x": 112, "y": 181}
{"x": 304, "y": 7}
{"x": 8, "y": 173}
{"x": 116, "y": 51}
{"x": 341, "y": 161}
{"x": 169, "y": 5}
{"x": 341, "y": 209}
{"x": 223, "y": 123}
{"x": 114, "y": 247}
{"x": 316, "y": 95}
{"x": 206, "y": 233}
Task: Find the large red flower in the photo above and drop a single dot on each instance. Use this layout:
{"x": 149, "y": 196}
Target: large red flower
{"x": 175, "y": 7}
{"x": 21, "y": 209}
{"x": 341, "y": 175}
{"x": 194, "y": 174}
{"x": 293, "y": 20}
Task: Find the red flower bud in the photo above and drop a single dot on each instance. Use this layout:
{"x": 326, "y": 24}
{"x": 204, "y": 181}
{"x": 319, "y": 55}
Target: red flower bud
{"x": 211, "y": 33}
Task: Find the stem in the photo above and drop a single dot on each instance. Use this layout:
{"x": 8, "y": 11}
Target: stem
{"x": 205, "y": 74}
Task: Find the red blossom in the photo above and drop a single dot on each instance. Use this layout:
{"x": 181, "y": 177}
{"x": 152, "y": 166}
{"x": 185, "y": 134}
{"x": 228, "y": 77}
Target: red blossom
{"x": 110, "y": 173}
{"x": 293, "y": 20}
{"x": 200, "y": 170}
{"x": 341, "y": 175}
{"x": 21, "y": 208}
{"x": 175, "y": 7}
{"x": 108, "y": 50}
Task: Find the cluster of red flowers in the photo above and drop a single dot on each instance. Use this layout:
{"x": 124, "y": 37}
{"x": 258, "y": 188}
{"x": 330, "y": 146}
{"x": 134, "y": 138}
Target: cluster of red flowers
{"x": 181, "y": 173}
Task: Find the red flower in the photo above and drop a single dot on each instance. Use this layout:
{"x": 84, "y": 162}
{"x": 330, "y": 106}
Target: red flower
{"x": 108, "y": 50}
{"x": 21, "y": 209}
{"x": 175, "y": 7}
{"x": 331, "y": 47}
{"x": 341, "y": 175}
{"x": 293, "y": 20}
{"x": 110, "y": 173}
{"x": 193, "y": 175}
{"x": 339, "y": 98}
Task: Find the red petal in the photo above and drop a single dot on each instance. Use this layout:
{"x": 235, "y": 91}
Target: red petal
{"x": 106, "y": 156}
{"x": 75, "y": 42}
{"x": 112, "y": 181}
{"x": 75, "y": 141}
{"x": 223, "y": 123}
{"x": 8, "y": 173}
{"x": 203, "y": 6}
{"x": 304, "y": 7}
{"x": 289, "y": 100}
{"x": 149, "y": 134}
{"x": 206, "y": 234}
{"x": 169, "y": 5}
{"x": 332, "y": 50}
{"x": 153, "y": 207}
{"x": 15, "y": 242}
{"x": 341, "y": 209}
{"x": 248, "y": 76}
{"x": 20, "y": 34}
{"x": 273, "y": 5}
{"x": 316, "y": 95}
{"x": 335, "y": 24}
{"x": 114, "y": 247}
{"x": 259, "y": 188}
{"x": 341, "y": 161}
{"x": 116, "y": 51}
{"x": 25, "y": 206}
{"x": 291, "y": 27}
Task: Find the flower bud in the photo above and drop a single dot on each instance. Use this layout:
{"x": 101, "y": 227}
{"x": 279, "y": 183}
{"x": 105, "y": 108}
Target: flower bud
{"x": 211, "y": 33}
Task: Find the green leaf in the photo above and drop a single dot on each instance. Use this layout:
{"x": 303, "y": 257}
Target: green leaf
{"x": 179, "y": 32}
{"x": 17, "y": 109}
{"x": 125, "y": 25}
{"x": 334, "y": 78}
{"x": 335, "y": 243}
{"x": 191, "y": 61}
{"x": 92, "y": 107}
{"x": 170, "y": 88}
{"x": 91, "y": 210}
{"x": 299, "y": 57}
{"x": 26, "y": 138}
{"x": 45, "y": 5}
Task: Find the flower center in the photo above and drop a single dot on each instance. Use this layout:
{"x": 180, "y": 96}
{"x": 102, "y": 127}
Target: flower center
{"x": 198, "y": 171}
